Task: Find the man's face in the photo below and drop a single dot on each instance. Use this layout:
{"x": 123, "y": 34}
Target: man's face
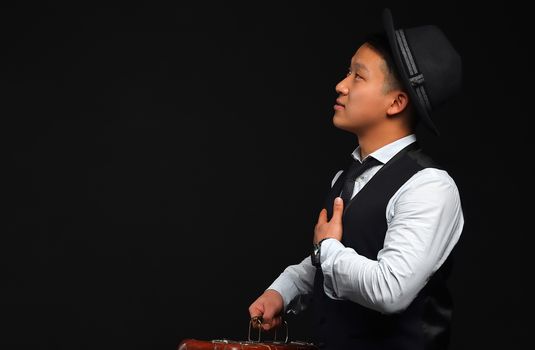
{"x": 361, "y": 92}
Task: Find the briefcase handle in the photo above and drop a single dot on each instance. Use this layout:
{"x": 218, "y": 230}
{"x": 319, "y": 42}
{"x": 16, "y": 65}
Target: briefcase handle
{"x": 258, "y": 320}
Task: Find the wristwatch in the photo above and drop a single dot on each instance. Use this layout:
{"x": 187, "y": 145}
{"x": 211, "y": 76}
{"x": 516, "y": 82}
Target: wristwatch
{"x": 316, "y": 253}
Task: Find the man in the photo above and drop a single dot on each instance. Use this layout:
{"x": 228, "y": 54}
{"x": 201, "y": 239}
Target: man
{"x": 381, "y": 246}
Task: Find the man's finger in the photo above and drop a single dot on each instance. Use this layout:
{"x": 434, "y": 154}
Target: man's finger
{"x": 323, "y": 216}
{"x": 256, "y": 309}
{"x": 338, "y": 209}
{"x": 275, "y": 322}
{"x": 268, "y": 316}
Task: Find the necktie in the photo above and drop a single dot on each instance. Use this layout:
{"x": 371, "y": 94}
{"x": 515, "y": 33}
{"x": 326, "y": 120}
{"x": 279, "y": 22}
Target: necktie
{"x": 355, "y": 169}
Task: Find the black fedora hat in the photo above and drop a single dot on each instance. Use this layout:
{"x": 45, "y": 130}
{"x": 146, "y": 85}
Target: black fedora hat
{"x": 429, "y": 66}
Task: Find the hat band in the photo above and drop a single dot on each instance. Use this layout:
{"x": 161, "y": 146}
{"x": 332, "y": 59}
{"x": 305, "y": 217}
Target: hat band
{"x": 416, "y": 78}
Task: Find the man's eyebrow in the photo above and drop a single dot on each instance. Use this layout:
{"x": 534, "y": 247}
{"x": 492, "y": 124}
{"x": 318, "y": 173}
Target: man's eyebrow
{"x": 358, "y": 65}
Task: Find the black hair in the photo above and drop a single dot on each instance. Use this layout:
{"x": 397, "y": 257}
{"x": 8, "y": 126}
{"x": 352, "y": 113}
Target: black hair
{"x": 379, "y": 42}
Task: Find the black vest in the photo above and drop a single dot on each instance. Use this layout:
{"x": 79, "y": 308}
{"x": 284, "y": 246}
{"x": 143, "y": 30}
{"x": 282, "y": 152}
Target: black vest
{"x": 343, "y": 324}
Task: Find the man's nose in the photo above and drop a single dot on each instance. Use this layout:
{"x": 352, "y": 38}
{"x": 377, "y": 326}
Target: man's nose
{"x": 341, "y": 86}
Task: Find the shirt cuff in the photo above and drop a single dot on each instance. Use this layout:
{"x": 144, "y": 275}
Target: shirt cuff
{"x": 329, "y": 249}
{"x": 286, "y": 288}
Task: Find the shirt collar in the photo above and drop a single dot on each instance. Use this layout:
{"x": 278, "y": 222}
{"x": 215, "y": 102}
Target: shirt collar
{"x": 389, "y": 150}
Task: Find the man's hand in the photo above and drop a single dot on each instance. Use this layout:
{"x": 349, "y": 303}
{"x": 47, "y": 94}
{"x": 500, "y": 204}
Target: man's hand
{"x": 269, "y": 305}
{"x": 330, "y": 229}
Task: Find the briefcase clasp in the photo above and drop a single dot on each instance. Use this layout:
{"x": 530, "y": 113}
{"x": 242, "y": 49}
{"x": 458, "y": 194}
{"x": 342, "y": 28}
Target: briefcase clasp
{"x": 258, "y": 320}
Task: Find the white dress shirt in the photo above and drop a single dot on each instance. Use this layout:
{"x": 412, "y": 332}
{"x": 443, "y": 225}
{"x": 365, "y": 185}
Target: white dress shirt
{"x": 425, "y": 221}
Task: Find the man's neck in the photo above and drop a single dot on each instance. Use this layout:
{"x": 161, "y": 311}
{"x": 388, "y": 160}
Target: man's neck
{"x": 371, "y": 141}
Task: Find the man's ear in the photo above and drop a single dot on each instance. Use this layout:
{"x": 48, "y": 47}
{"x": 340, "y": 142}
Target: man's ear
{"x": 399, "y": 103}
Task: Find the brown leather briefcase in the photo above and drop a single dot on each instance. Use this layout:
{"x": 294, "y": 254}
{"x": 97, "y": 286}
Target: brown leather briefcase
{"x": 228, "y": 344}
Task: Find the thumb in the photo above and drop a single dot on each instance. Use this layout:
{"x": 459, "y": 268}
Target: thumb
{"x": 338, "y": 209}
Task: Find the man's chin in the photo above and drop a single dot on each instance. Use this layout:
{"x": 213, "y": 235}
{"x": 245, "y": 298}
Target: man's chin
{"x": 338, "y": 121}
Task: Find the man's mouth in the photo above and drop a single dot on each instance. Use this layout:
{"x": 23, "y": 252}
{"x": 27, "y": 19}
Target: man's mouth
{"x": 339, "y": 105}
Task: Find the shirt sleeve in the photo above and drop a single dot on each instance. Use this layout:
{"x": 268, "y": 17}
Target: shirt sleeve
{"x": 295, "y": 285}
{"x": 425, "y": 221}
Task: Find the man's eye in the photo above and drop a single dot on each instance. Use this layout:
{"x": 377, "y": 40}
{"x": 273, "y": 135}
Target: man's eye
{"x": 357, "y": 76}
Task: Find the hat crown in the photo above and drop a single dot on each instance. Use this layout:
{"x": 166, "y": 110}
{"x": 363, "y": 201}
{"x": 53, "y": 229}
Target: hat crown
{"x": 438, "y": 62}
{"x": 430, "y": 67}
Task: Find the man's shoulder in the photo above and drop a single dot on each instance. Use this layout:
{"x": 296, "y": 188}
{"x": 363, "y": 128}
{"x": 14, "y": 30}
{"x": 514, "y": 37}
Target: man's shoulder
{"x": 431, "y": 179}
{"x": 430, "y": 189}
{"x": 423, "y": 159}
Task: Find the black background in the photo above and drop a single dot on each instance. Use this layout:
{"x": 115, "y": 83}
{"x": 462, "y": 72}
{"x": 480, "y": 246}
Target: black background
{"x": 165, "y": 164}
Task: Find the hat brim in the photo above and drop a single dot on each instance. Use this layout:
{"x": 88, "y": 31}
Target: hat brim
{"x": 388, "y": 25}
